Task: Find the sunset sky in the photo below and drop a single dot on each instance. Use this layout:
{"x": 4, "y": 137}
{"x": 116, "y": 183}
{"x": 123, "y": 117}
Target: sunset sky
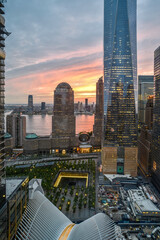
{"x": 53, "y": 41}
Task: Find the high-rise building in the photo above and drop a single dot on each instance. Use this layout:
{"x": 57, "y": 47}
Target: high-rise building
{"x": 30, "y": 103}
{"x": 145, "y": 89}
{"x": 43, "y": 106}
{"x": 16, "y": 127}
{"x": 86, "y": 105}
{"x": 144, "y": 150}
{"x": 99, "y": 118}
{"x": 149, "y": 112}
{"x": 3, "y": 32}
{"x": 81, "y": 107}
{"x": 156, "y": 121}
{"x": 86, "y": 102}
{"x": 63, "y": 121}
{"x": 120, "y": 86}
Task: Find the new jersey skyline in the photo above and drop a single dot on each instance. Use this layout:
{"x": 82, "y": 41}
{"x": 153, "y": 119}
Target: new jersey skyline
{"x": 60, "y": 41}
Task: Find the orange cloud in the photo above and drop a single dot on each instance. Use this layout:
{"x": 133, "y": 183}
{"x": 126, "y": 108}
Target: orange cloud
{"x": 42, "y": 85}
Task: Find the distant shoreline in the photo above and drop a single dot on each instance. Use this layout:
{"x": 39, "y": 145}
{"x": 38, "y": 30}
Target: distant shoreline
{"x": 83, "y": 113}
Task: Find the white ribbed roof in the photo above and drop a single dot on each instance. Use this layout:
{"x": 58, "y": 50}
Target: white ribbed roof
{"x": 98, "y": 227}
{"x": 43, "y": 221}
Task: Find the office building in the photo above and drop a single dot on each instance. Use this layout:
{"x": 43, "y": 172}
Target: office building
{"x": 78, "y": 107}
{"x": 12, "y": 210}
{"x": 86, "y": 104}
{"x": 98, "y": 120}
{"x": 30, "y": 103}
{"x": 43, "y": 106}
{"x": 42, "y": 220}
{"x": 145, "y": 89}
{"x": 81, "y": 107}
{"x": 156, "y": 122}
{"x": 144, "y": 151}
{"x": 16, "y": 127}
{"x": 120, "y": 87}
{"x": 3, "y": 34}
{"x": 149, "y": 112}
{"x": 63, "y": 120}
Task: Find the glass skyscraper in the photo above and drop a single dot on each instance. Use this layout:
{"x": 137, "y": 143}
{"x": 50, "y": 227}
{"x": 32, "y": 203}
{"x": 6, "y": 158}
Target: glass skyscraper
{"x": 156, "y": 122}
{"x": 120, "y": 72}
{"x": 120, "y": 75}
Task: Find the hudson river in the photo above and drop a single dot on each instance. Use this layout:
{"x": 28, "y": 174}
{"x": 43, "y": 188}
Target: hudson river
{"x": 42, "y": 124}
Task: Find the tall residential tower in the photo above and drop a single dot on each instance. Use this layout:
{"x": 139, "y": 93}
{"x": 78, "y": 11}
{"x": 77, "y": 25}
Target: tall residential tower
{"x": 120, "y": 87}
{"x": 3, "y": 32}
{"x": 16, "y": 127}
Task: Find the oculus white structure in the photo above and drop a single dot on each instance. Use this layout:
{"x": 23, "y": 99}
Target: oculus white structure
{"x": 43, "y": 221}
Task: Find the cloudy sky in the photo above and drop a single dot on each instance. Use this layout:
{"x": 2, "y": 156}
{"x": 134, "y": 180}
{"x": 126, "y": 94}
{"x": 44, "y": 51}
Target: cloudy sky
{"x": 62, "y": 40}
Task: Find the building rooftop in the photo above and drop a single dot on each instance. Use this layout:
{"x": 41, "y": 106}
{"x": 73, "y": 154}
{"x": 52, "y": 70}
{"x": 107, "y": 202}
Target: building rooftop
{"x": 141, "y": 203}
{"x": 7, "y": 135}
{"x": 31, "y": 136}
{"x": 12, "y": 184}
{"x": 111, "y": 177}
{"x": 63, "y": 85}
{"x": 147, "y": 206}
{"x": 137, "y": 195}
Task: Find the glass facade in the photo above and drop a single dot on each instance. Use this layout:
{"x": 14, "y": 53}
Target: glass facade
{"x": 156, "y": 121}
{"x": 120, "y": 73}
{"x": 145, "y": 89}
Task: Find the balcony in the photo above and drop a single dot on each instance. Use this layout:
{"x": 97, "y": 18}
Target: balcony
{"x": 2, "y": 30}
{"x": 2, "y": 81}
{"x": 2, "y": 149}
{"x": 2, "y": 136}
{"x": 2, "y": 54}
{"x": 2, "y": 20}
{"x": 2, "y": 43}
{"x": 2, "y": 100}
{"x": 2, "y": 143}
{"x": 2, "y": 69}
{"x": 1, "y": 3}
{"x": 1, "y": 165}
{"x": 2, "y": 155}
{"x": 2, "y": 63}
{"x": 2, "y": 75}
{"x": 2, "y": 89}
{"x": 2, "y": 11}
{"x": 2, "y": 37}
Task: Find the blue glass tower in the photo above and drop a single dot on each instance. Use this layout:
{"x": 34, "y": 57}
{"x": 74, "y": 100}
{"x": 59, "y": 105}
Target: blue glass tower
{"x": 120, "y": 73}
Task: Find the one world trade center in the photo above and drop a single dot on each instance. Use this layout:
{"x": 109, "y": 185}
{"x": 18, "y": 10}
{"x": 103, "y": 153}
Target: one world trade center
{"x": 119, "y": 153}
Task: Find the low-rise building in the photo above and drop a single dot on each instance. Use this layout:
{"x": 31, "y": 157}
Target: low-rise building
{"x": 142, "y": 207}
